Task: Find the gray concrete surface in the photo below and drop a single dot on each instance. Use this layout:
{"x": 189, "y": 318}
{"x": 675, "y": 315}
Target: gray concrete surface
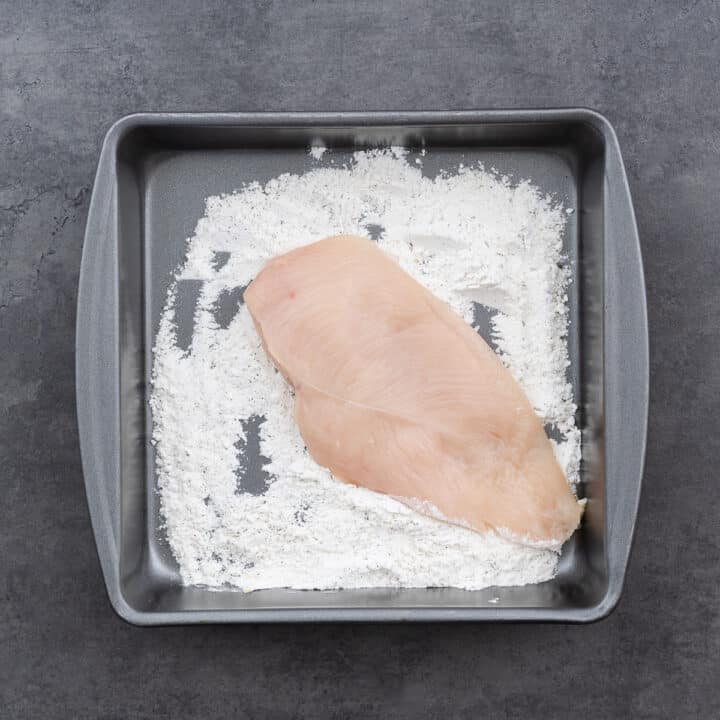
{"x": 67, "y": 69}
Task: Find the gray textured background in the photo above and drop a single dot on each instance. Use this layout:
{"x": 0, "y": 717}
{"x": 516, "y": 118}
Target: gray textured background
{"x": 67, "y": 69}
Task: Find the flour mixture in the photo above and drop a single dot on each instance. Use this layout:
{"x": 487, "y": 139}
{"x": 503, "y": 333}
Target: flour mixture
{"x": 490, "y": 246}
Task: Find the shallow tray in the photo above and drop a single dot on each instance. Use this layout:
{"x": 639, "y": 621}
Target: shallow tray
{"x": 154, "y": 173}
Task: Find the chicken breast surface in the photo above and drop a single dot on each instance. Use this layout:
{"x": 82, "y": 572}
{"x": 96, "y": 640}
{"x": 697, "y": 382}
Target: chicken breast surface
{"x": 396, "y": 393}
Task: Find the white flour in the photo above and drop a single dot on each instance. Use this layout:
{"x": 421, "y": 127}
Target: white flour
{"x": 317, "y": 151}
{"x": 470, "y": 236}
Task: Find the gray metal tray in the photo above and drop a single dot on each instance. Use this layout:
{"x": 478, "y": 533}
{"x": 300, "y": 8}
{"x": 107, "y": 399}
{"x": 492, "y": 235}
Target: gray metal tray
{"x": 154, "y": 173}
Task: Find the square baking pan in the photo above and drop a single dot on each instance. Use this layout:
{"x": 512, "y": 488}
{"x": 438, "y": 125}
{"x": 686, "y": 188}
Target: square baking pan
{"x": 154, "y": 173}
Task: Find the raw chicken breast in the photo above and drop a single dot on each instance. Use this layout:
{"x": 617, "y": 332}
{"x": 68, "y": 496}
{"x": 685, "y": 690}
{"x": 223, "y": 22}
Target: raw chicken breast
{"x": 396, "y": 393}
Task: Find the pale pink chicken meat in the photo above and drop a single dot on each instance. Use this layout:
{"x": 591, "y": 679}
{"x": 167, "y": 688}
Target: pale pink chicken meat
{"x": 396, "y": 393}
